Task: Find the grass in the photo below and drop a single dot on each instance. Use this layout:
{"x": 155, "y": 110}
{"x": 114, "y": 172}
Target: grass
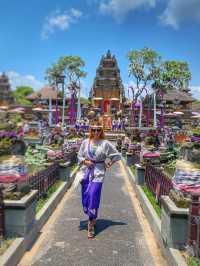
{"x": 133, "y": 169}
{"x": 73, "y": 166}
{"x": 152, "y": 199}
{"x": 149, "y": 194}
{"x": 33, "y": 169}
{"x": 191, "y": 261}
{"x": 4, "y": 245}
{"x": 50, "y": 192}
{"x": 169, "y": 171}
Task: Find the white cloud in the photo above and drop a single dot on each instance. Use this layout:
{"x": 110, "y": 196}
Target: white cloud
{"x": 17, "y": 79}
{"x": 195, "y": 90}
{"x": 60, "y": 21}
{"x": 178, "y": 11}
{"x": 76, "y": 13}
{"x": 120, "y": 8}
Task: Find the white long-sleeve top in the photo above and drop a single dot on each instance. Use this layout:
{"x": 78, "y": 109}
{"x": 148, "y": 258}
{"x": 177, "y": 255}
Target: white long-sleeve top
{"x": 104, "y": 150}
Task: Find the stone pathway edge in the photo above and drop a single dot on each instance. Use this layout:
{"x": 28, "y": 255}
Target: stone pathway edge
{"x": 20, "y": 245}
{"x": 173, "y": 256}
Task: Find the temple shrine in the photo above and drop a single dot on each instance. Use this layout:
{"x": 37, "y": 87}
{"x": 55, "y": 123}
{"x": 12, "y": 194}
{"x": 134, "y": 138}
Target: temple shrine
{"x": 5, "y": 90}
{"x": 107, "y": 93}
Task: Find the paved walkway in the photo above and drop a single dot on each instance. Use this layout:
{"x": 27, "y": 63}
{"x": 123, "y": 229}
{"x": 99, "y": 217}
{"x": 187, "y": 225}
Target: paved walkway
{"x": 123, "y": 236}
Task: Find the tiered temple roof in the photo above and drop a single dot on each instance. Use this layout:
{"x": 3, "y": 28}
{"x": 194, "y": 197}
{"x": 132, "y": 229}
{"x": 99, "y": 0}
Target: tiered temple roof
{"x": 44, "y": 93}
{"x": 180, "y": 95}
{"x": 107, "y": 83}
{"x": 196, "y": 106}
{"x": 5, "y": 90}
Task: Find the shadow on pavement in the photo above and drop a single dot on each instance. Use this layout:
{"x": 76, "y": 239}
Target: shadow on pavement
{"x": 101, "y": 225}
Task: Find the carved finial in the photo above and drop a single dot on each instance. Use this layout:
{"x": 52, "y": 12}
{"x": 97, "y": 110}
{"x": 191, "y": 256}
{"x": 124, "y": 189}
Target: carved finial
{"x": 108, "y": 54}
{"x": 101, "y": 62}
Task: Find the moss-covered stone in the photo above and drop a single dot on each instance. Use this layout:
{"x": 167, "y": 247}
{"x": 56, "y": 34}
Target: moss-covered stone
{"x": 179, "y": 199}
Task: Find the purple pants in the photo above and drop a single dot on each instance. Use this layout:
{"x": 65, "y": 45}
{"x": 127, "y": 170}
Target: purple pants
{"x": 91, "y": 196}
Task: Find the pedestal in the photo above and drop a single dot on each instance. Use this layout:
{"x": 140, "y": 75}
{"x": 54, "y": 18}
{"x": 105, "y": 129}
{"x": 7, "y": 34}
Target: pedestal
{"x": 64, "y": 171}
{"x": 174, "y": 224}
{"x": 129, "y": 159}
{"x": 20, "y": 215}
{"x": 140, "y": 174}
{"x": 124, "y": 152}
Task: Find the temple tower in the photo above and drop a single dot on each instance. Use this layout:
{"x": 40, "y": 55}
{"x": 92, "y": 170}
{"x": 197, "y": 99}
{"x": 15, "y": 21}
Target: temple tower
{"x": 5, "y": 90}
{"x": 107, "y": 93}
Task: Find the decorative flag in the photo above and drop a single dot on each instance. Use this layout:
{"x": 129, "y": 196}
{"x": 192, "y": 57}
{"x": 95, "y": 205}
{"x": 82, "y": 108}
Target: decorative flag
{"x": 50, "y": 112}
{"x": 63, "y": 110}
{"x": 78, "y": 116}
{"x": 140, "y": 117}
{"x": 72, "y": 111}
{"x": 154, "y": 102}
{"x": 57, "y": 110}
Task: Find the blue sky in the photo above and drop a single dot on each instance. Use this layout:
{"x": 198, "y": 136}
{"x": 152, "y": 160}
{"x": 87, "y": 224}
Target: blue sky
{"x": 34, "y": 34}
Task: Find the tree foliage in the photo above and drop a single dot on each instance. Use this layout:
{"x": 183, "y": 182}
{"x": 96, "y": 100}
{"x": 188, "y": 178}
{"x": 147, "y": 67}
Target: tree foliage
{"x": 70, "y": 66}
{"x": 20, "y": 94}
{"x": 172, "y": 75}
{"x": 143, "y": 65}
{"x": 149, "y": 70}
{"x": 84, "y": 100}
{"x": 52, "y": 72}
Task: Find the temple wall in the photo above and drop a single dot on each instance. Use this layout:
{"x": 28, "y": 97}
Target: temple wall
{"x": 115, "y": 93}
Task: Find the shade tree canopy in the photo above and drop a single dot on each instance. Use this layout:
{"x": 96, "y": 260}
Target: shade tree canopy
{"x": 149, "y": 70}
{"x": 20, "y": 94}
{"x": 143, "y": 65}
{"x": 172, "y": 75}
{"x": 70, "y": 66}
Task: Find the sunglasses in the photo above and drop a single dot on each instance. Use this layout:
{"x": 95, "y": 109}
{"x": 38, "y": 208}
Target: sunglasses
{"x": 96, "y": 129}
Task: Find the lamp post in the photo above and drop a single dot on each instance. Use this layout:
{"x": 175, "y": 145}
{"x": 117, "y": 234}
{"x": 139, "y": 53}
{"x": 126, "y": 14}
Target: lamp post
{"x": 72, "y": 111}
{"x": 78, "y": 116}
{"x": 140, "y": 115}
{"x": 162, "y": 111}
{"x": 176, "y": 103}
{"x": 60, "y": 80}
{"x": 154, "y": 110}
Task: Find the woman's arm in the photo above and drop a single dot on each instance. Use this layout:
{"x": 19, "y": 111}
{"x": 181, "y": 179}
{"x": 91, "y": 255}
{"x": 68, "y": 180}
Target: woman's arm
{"x": 81, "y": 155}
{"x": 111, "y": 153}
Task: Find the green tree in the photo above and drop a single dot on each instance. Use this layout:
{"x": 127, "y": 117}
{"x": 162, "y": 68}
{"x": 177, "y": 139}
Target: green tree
{"x": 143, "y": 65}
{"x": 20, "y": 94}
{"x": 84, "y": 100}
{"x": 71, "y": 67}
{"x": 52, "y": 72}
{"x": 172, "y": 75}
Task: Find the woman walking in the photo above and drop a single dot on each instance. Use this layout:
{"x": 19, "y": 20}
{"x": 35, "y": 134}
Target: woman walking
{"x": 92, "y": 155}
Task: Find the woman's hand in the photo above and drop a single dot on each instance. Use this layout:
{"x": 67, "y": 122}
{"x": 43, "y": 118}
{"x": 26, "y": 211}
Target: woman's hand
{"x": 108, "y": 165}
{"x": 88, "y": 163}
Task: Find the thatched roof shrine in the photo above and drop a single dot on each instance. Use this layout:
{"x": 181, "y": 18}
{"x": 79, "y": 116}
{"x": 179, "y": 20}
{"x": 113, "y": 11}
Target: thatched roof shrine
{"x": 45, "y": 93}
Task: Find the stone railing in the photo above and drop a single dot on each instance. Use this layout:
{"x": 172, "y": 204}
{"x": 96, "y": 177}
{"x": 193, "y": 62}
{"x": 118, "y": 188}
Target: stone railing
{"x": 2, "y": 218}
{"x": 157, "y": 181}
{"x": 194, "y": 226}
{"x": 43, "y": 180}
